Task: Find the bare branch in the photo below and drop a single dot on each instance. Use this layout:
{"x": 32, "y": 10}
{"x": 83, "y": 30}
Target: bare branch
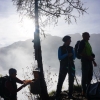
{"x": 52, "y": 9}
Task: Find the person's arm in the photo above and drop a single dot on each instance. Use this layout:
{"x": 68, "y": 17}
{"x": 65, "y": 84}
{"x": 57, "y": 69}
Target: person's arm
{"x": 24, "y": 81}
{"x": 19, "y": 81}
{"x": 73, "y": 54}
{"x": 60, "y": 56}
{"x": 20, "y": 87}
{"x": 93, "y": 55}
{"x": 25, "y": 84}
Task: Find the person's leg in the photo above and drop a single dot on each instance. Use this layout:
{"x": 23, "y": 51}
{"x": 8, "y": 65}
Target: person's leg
{"x": 90, "y": 73}
{"x": 85, "y": 71}
{"x": 62, "y": 75}
{"x": 71, "y": 74}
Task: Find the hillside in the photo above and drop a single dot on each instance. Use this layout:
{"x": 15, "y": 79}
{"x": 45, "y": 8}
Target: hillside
{"x": 20, "y": 54}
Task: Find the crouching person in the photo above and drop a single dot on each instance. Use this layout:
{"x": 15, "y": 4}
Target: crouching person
{"x": 66, "y": 57}
{"x": 11, "y": 86}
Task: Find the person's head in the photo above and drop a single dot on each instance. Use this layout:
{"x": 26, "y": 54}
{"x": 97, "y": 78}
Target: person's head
{"x": 86, "y": 36}
{"x": 12, "y": 72}
{"x": 66, "y": 39}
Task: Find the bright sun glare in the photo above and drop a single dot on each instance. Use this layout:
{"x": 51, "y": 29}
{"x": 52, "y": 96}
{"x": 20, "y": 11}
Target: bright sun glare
{"x": 27, "y": 27}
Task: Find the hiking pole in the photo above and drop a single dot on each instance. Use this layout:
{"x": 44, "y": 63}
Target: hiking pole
{"x": 76, "y": 81}
{"x": 75, "y": 77}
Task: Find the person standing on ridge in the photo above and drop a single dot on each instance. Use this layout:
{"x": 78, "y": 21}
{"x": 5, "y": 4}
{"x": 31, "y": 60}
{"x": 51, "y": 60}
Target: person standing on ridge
{"x": 66, "y": 57}
{"x": 87, "y": 61}
{"x": 11, "y": 86}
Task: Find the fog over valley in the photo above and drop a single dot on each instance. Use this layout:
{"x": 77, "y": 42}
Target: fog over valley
{"x": 20, "y": 54}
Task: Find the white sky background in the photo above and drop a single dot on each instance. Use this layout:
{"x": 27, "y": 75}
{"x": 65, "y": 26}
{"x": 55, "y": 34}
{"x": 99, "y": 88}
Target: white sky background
{"x": 13, "y": 29}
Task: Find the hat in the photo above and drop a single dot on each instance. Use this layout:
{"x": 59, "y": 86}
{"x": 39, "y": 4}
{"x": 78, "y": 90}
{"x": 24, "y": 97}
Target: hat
{"x": 65, "y": 38}
{"x": 12, "y": 71}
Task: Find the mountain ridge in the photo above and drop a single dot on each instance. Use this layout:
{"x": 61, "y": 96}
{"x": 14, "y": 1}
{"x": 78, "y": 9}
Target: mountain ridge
{"x": 20, "y": 54}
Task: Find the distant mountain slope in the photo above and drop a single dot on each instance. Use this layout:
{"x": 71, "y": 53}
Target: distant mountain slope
{"x": 20, "y": 54}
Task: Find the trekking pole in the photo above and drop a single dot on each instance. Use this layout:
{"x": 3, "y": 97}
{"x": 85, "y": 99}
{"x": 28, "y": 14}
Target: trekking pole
{"x": 76, "y": 81}
{"x": 75, "y": 77}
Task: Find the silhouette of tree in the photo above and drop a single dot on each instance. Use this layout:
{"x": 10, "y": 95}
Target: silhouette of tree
{"x": 51, "y": 10}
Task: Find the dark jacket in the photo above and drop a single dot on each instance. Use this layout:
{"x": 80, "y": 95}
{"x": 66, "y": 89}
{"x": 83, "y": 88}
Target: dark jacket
{"x": 11, "y": 86}
{"x": 64, "y": 52}
{"x": 81, "y": 48}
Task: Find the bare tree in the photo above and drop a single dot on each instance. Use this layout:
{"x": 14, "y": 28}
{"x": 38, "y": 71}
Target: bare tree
{"x": 51, "y": 10}
{"x": 44, "y": 12}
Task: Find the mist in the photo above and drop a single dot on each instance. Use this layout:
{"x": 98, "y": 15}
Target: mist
{"x": 21, "y": 54}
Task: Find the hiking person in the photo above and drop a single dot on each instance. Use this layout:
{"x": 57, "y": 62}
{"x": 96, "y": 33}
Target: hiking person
{"x": 11, "y": 86}
{"x": 87, "y": 61}
{"x": 66, "y": 57}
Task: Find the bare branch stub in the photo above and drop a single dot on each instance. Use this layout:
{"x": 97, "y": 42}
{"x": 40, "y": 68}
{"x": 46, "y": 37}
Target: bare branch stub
{"x": 51, "y": 10}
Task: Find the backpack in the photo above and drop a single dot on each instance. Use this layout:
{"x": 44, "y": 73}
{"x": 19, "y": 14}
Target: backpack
{"x": 76, "y": 49}
{"x": 2, "y": 85}
{"x": 93, "y": 91}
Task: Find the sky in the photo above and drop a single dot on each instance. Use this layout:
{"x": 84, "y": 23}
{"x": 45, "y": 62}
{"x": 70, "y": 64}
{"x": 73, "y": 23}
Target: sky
{"x": 14, "y": 27}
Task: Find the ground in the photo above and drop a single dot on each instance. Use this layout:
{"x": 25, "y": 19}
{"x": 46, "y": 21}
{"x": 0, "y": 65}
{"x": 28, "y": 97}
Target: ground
{"x": 64, "y": 96}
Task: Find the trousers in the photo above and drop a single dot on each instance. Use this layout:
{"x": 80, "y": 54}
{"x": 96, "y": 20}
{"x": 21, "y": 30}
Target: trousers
{"x": 64, "y": 69}
{"x": 87, "y": 73}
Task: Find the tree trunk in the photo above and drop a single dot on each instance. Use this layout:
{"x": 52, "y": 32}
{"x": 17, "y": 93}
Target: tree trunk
{"x": 38, "y": 55}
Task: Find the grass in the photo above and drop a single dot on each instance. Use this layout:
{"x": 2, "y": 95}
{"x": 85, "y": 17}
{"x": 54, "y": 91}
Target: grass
{"x": 52, "y": 93}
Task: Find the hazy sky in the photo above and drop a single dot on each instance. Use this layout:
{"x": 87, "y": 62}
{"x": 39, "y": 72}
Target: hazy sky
{"x": 13, "y": 29}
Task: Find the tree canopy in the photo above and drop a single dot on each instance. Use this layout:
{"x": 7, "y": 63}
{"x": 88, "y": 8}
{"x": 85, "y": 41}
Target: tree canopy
{"x": 52, "y": 10}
